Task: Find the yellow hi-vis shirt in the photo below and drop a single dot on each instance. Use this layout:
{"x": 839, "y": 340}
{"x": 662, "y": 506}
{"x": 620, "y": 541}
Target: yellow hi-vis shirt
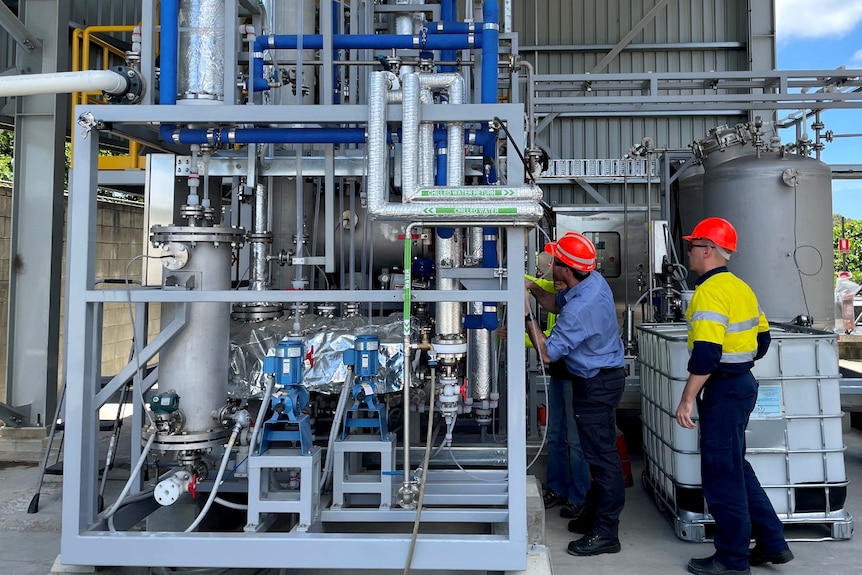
{"x": 724, "y": 312}
{"x": 548, "y": 286}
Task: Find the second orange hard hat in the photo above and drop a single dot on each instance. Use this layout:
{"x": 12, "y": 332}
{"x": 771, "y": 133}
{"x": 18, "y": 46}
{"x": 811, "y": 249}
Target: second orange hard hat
{"x": 717, "y": 230}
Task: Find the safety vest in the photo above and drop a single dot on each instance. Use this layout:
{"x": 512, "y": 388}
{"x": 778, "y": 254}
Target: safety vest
{"x": 548, "y": 286}
{"x": 724, "y": 311}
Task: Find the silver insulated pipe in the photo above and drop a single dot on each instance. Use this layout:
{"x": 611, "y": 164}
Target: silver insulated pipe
{"x": 479, "y": 341}
{"x": 488, "y": 209}
{"x": 201, "y": 51}
{"x": 260, "y": 240}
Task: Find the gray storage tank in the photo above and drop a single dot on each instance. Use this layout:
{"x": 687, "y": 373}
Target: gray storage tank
{"x": 781, "y": 207}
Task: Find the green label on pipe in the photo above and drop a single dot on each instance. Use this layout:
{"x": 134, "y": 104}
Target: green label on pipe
{"x": 467, "y": 192}
{"x": 470, "y": 211}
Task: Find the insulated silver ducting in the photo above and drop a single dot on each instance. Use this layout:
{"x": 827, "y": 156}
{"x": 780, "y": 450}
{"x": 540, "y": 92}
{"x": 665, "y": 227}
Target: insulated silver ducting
{"x": 488, "y": 194}
{"x": 260, "y": 240}
{"x": 479, "y": 341}
{"x": 479, "y": 358}
{"x": 378, "y": 152}
{"x": 454, "y": 84}
{"x": 525, "y": 212}
{"x": 404, "y": 22}
{"x": 410, "y": 132}
{"x": 426, "y": 142}
{"x": 201, "y": 51}
{"x": 449, "y": 255}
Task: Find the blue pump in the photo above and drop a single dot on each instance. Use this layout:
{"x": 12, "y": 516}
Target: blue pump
{"x": 288, "y": 423}
{"x": 367, "y": 411}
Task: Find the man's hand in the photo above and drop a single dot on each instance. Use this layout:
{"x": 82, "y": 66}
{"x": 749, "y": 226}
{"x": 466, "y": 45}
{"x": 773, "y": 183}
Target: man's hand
{"x": 502, "y": 332}
{"x": 683, "y": 414}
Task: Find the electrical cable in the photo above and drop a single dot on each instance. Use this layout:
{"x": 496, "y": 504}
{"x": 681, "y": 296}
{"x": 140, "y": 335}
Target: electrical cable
{"x": 138, "y": 379}
{"x": 424, "y": 481}
{"x": 109, "y": 512}
{"x": 335, "y": 428}
{"x": 517, "y": 150}
{"x": 217, "y": 481}
{"x": 796, "y": 247}
{"x": 547, "y": 211}
{"x": 231, "y": 504}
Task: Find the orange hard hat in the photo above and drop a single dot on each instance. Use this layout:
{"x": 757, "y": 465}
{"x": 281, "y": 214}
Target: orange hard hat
{"x": 574, "y": 250}
{"x": 717, "y": 230}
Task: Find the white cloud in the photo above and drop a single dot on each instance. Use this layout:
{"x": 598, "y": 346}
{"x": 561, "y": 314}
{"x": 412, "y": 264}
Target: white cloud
{"x": 856, "y": 60}
{"x": 816, "y": 19}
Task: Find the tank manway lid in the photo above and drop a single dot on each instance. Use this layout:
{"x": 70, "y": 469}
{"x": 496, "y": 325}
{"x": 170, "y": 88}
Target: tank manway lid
{"x": 724, "y": 143}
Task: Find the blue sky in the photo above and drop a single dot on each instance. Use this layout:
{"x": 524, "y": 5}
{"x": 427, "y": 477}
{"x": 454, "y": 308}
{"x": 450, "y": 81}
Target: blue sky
{"x": 827, "y": 34}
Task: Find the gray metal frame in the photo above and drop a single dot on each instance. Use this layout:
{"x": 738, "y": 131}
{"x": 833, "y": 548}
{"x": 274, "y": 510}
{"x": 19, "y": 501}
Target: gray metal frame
{"x": 504, "y": 547}
{"x": 658, "y": 93}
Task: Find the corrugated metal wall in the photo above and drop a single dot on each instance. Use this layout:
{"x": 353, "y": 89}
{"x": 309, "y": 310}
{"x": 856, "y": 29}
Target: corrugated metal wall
{"x": 583, "y": 24}
{"x": 572, "y": 36}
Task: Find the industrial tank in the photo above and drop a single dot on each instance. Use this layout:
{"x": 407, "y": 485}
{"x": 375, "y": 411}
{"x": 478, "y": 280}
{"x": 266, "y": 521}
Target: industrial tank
{"x": 781, "y": 207}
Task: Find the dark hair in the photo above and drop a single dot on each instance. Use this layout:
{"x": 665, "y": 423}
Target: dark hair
{"x": 579, "y": 275}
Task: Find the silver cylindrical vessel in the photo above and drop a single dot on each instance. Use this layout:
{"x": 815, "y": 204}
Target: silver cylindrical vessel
{"x": 195, "y": 361}
{"x": 289, "y": 18}
{"x": 781, "y": 207}
{"x": 200, "y": 77}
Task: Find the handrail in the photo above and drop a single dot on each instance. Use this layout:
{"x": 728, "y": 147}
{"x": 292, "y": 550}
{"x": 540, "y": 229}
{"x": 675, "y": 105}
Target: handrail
{"x": 82, "y": 39}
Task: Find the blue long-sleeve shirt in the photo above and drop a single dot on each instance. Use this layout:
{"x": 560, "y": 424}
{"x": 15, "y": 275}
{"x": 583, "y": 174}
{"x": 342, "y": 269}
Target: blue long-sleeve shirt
{"x": 587, "y": 334}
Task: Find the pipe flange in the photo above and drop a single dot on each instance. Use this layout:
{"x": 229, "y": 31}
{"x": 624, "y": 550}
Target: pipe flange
{"x": 134, "y": 87}
{"x": 256, "y": 312}
{"x": 192, "y": 212}
{"x": 326, "y": 309}
{"x": 301, "y": 306}
{"x": 161, "y": 235}
{"x": 259, "y": 237}
{"x": 185, "y": 441}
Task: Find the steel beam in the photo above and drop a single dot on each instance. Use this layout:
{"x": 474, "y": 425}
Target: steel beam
{"x": 33, "y": 329}
{"x": 624, "y": 41}
{"x": 17, "y": 30}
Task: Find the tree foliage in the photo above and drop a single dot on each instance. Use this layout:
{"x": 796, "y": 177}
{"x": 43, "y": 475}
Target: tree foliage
{"x": 851, "y": 262}
{"x": 6, "y": 147}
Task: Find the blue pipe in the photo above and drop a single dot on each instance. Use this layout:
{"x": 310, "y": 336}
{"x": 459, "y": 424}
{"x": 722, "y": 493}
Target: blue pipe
{"x": 358, "y": 42}
{"x": 452, "y": 27}
{"x": 368, "y": 41}
{"x": 490, "y": 50}
{"x": 440, "y": 143}
{"x": 442, "y": 154}
{"x": 447, "y": 17}
{"x": 169, "y": 15}
{"x": 489, "y": 248}
{"x": 490, "y": 91}
{"x": 218, "y": 136}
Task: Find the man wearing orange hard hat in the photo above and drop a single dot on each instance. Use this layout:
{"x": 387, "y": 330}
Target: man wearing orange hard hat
{"x": 585, "y": 349}
{"x": 727, "y": 333}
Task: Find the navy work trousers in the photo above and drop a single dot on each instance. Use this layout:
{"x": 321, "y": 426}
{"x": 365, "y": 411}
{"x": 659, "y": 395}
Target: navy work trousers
{"x": 594, "y": 402}
{"x": 733, "y": 494}
{"x": 568, "y": 474}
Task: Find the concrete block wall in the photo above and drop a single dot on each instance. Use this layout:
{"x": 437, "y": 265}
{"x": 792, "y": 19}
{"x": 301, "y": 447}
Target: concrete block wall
{"x": 119, "y": 238}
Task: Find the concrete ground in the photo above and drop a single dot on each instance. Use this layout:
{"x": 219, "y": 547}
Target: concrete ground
{"x": 29, "y": 544}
